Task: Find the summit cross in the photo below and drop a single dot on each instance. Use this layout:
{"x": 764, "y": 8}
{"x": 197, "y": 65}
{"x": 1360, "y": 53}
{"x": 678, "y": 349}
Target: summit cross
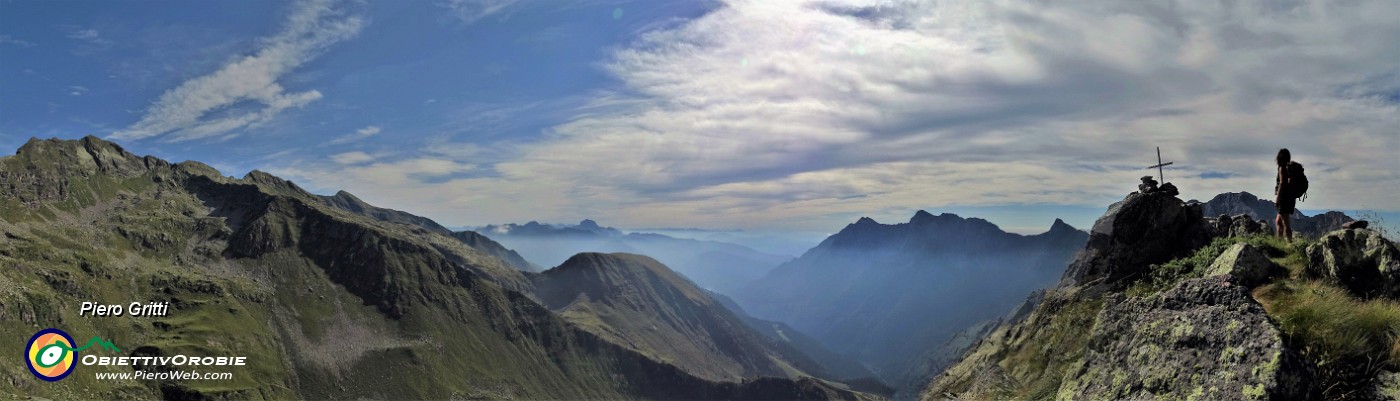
{"x": 1160, "y": 165}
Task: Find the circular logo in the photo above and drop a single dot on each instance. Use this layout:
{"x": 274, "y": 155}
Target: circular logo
{"x": 50, "y": 354}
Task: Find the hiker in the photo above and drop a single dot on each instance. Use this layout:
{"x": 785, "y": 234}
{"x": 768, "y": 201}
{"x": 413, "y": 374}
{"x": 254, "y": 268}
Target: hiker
{"x": 1288, "y": 186}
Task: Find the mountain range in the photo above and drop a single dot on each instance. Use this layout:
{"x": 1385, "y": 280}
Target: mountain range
{"x": 1245, "y": 203}
{"x": 889, "y": 295}
{"x": 329, "y": 298}
{"x": 714, "y": 265}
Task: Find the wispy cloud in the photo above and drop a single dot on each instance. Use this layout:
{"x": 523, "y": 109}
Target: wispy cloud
{"x": 88, "y": 35}
{"x": 248, "y": 87}
{"x": 470, "y": 11}
{"x": 8, "y": 40}
{"x": 355, "y": 157}
{"x": 77, "y": 90}
{"x": 359, "y": 134}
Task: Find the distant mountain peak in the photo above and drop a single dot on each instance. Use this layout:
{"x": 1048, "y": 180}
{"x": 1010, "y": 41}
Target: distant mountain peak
{"x": 924, "y": 217}
{"x": 1245, "y": 203}
{"x": 1061, "y": 225}
{"x": 866, "y": 220}
{"x": 589, "y": 224}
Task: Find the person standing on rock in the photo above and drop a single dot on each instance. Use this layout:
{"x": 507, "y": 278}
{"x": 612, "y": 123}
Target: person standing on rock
{"x": 1284, "y": 197}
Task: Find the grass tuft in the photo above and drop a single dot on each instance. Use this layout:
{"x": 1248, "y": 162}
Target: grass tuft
{"x": 1350, "y": 339}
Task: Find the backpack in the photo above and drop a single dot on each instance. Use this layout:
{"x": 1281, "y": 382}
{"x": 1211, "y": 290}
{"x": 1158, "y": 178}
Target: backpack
{"x": 1299, "y": 180}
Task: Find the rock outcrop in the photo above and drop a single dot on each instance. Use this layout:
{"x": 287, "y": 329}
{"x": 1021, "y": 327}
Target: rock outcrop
{"x": 1361, "y": 260}
{"x": 1239, "y": 225}
{"x": 1245, "y": 264}
{"x": 1099, "y": 335}
{"x": 1205, "y": 339}
{"x": 1140, "y": 230}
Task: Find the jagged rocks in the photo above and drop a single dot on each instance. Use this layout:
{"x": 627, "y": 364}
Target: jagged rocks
{"x": 1203, "y": 339}
{"x": 1140, "y": 230}
{"x": 1237, "y": 203}
{"x": 1245, "y": 264}
{"x": 1240, "y": 225}
{"x": 1363, "y": 261}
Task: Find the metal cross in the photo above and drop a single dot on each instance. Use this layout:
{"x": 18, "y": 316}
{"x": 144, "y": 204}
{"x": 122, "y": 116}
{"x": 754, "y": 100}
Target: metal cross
{"x": 1160, "y": 165}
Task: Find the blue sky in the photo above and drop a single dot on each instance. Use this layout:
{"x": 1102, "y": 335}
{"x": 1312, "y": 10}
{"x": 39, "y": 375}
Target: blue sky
{"x": 737, "y": 114}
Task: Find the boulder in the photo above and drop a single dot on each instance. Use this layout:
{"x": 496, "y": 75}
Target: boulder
{"x": 1203, "y": 339}
{"x": 1142, "y": 229}
{"x": 1363, "y": 261}
{"x": 1243, "y": 226}
{"x": 1245, "y": 264}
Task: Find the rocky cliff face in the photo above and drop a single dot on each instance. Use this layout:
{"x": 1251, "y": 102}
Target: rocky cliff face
{"x": 886, "y": 294}
{"x": 1140, "y": 314}
{"x": 326, "y": 303}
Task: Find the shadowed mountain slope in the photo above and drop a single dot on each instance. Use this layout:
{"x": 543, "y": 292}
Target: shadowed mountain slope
{"x": 886, "y": 294}
{"x": 637, "y": 302}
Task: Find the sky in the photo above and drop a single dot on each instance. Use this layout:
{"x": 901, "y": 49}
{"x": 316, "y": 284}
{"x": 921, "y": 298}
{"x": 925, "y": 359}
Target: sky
{"x": 798, "y": 115}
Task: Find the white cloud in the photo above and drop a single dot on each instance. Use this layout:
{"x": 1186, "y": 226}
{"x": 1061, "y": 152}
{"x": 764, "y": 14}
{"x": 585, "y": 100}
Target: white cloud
{"x": 355, "y": 157}
{"x": 77, "y": 90}
{"x": 767, "y": 112}
{"x": 798, "y": 114}
{"x": 246, "y": 92}
{"x": 470, "y": 11}
{"x": 359, "y": 134}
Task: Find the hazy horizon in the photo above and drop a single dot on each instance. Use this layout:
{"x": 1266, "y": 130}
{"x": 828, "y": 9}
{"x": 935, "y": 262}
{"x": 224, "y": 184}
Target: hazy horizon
{"x": 798, "y": 116}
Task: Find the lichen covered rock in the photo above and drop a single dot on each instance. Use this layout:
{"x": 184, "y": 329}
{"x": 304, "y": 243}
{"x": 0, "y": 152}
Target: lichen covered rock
{"x": 1362, "y": 260}
{"x": 1245, "y": 264}
{"x": 1204, "y": 339}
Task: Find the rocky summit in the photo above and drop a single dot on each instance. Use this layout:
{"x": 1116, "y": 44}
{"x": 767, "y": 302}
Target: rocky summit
{"x": 1140, "y": 230}
{"x": 1164, "y": 303}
